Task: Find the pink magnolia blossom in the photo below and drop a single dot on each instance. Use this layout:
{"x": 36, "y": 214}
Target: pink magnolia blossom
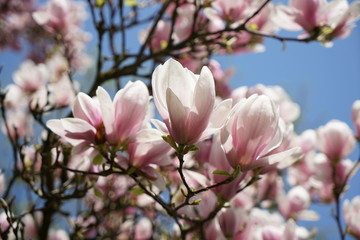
{"x": 289, "y": 111}
{"x": 186, "y": 102}
{"x": 30, "y": 77}
{"x": 160, "y": 37}
{"x": 301, "y": 171}
{"x": 217, "y": 161}
{"x": 232, "y": 221}
{"x": 184, "y": 22}
{"x": 64, "y": 19}
{"x": 351, "y": 211}
{"x": 322, "y": 183}
{"x": 125, "y": 115}
{"x": 336, "y": 140}
{"x": 235, "y": 12}
{"x": 146, "y": 149}
{"x": 271, "y": 226}
{"x": 19, "y": 124}
{"x": 101, "y": 120}
{"x": 58, "y": 66}
{"x": 268, "y": 188}
{"x": 15, "y": 18}
{"x": 295, "y": 203}
{"x": 320, "y": 18}
{"x": 60, "y": 15}
{"x": 87, "y": 125}
{"x": 252, "y": 132}
{"x": 15, "y": 98}
{"x": 355, "y": 115}
{"x": 61, "y": 92}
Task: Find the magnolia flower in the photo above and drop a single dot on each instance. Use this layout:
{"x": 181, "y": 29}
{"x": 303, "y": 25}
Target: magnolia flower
{"x": 145, "y": 149}
{"x": 86, "y": 128}
{"x": 295, "y": 203}
{"x": 19, "y": 124}
{"x": 60, "y": 15}
{"x": 288, "y": 110}
{"x": 160, "y": 38}
{"x": 336, "y": 140}
{"x": 186, "y": 102}
{"x": 355, "y": 115}
{"x": 270, "y": 226}
{"x": 101, "y": 120}
{"x": 252, "y": 132}
{"x": 322, "y": 19}
{"x": 31, "y": 77}
{"x": 351, "y": 212}
{"x": 232, "y": 221}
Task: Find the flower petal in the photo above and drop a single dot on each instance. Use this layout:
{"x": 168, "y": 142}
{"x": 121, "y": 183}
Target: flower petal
{"x": 107, "y": 111}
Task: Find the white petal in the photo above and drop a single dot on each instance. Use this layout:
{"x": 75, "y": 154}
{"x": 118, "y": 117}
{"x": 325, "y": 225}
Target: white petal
{"x": 107, "y": 112}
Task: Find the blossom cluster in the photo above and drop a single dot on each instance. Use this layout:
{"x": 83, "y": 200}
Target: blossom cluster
{"x": 316, "y": 20}
{"x": 182, "y": 155}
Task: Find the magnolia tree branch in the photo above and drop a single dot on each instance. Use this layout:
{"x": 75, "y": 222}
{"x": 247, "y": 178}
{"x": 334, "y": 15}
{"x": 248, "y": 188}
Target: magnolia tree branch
{"x": 141, "y": 57}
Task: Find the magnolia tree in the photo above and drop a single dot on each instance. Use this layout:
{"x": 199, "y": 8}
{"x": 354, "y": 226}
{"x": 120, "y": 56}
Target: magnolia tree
{"x": 175, "y": 154}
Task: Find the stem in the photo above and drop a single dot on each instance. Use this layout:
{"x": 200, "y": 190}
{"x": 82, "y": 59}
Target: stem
{"x": 337, "y": 218}
{"x": 181, "y": 173}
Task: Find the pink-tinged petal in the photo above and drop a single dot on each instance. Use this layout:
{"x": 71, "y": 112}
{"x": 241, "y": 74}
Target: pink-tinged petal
{"x": 220, "y": 114}
{"x": 255, "y": 127}
{"x": 204, "y": 94}
{"x": 290, "y": 230}
{"x": 159, "y": 183}
{"x": 355, "y": 116}
{"x": 87, "y": 109}
{"x": 351, "y": 212}
{"x": 160, "y": 126}
{"x": 159, "y": 88}
{"x": 334, "y": 12}
{"x": 172, "y": 75}
{"x": 108, "y": 116}
{"x": 148, "y": 135}
{"x": 41, "y": 17}
{"x": 177, "y": 116}
{"x": 274, "y": 143}
{"x": 56, "y": 127}
{"x": 80, "y": 148}
{"x": 336, "y": 140}
{"x": 196, "y": 178}
{"x": 227, "y": 144}
{"x": 148, "y": 147}
{"x": 203, "y": 104}
{"x": 217, "y": 119}
{"x": 285, "y": 18}
{"x": 76, "y": 128}
{"x": 288, "y": 155}
{"x": 309, "y": 11}
{"x": 149, "y": 172}
{"x": 355, "y": 10}
{"x": 131, "y": 105}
